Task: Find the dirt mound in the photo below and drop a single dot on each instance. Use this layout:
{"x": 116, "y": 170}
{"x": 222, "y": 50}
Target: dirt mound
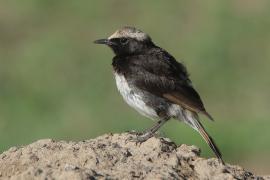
{"x": 113, "y": 156}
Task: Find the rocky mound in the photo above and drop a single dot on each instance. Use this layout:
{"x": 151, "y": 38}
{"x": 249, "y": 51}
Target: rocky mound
{"x": 113, "y": 156}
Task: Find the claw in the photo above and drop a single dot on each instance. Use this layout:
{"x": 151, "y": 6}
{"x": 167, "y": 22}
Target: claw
{"x": 142, "y": 137}
{"x": 139, "y": 139}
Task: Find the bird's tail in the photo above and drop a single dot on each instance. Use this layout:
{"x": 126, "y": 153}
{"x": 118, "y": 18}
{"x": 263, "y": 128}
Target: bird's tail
{"x": 192, "y": 119}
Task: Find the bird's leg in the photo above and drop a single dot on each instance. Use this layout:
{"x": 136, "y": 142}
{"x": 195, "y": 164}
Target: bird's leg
{"x": 134, "y": 132}
{"x": 149, "y": 132}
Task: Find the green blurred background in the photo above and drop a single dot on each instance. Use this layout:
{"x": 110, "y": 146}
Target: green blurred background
{"x": 55, "y": 83}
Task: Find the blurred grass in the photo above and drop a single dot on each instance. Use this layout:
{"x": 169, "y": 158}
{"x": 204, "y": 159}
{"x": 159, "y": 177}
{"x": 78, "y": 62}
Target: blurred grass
{"x": 55, "y": 83}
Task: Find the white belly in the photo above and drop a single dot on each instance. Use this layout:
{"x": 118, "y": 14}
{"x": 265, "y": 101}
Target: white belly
{"x": 133, "y": 99}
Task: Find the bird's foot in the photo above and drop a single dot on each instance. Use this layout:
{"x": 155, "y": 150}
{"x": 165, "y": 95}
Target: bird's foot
{"x": 138, "y": 139}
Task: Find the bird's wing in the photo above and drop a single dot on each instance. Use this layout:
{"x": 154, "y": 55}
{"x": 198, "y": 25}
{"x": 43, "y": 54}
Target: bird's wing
{"x": 163, "y": 76}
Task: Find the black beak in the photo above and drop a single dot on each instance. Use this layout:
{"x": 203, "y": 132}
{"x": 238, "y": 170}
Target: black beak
{"x": 102, "y": 41}
{"x": 105, "y": 41}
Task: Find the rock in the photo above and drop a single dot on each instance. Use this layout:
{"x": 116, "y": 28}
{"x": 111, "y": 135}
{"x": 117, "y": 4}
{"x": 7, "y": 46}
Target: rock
{"x": 113, "y": 156}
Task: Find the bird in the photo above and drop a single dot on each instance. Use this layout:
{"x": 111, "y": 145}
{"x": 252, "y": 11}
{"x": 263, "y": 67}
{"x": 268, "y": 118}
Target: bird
{"x": 155, "y": 84}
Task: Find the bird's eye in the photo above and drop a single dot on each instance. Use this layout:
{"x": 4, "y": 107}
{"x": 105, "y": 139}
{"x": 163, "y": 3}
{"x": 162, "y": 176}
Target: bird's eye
{"x": 123, "y": 41}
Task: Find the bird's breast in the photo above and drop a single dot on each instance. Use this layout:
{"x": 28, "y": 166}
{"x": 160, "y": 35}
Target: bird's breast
{"x": 134, "y": 97}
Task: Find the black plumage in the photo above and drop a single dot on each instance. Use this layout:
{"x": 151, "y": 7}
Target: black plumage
{"x": 158, "y": 72}
{"x": 154, "y": 83}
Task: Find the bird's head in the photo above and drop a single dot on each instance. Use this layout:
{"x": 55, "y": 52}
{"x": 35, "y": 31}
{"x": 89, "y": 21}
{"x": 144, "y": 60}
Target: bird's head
{"x": 127, "y": 41}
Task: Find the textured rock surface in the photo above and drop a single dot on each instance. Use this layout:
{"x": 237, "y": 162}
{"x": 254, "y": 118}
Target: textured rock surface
{"x": 113, "y": 156}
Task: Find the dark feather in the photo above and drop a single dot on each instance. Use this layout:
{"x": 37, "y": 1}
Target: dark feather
{"x": 157, "y": 72}
{"x": 208, "y": 139}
